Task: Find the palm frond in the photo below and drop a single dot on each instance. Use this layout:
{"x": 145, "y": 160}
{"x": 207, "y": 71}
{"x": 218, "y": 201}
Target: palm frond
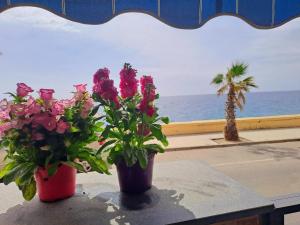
{"x": 218, "y": 79}
{"x": 222, "y": 89}
{"x": 241, "y": 98}
{"x": 238, "y": 103}
{"x": 238, "y": 69}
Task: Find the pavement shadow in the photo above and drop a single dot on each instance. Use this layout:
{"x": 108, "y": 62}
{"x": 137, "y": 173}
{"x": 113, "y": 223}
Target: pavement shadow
{"x": 153, "y": 207}
{"x": 277, "y": 152}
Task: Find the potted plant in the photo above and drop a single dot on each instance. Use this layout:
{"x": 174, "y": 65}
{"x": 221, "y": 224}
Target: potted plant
{"x": 132, "y": 126}
{"x": 236, "y": 87}
{"x": 46, "y": 140}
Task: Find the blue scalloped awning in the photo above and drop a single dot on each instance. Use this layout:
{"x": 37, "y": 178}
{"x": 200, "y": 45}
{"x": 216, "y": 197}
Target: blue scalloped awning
{"x": 186, "y": 14}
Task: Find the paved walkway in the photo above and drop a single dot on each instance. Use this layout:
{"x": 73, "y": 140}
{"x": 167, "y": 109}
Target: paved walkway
{"x": 269, "y": 169}
{"x": 197, "y": 141}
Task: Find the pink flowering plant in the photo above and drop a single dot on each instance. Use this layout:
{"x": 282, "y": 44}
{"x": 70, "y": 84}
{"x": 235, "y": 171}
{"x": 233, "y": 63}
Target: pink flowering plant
{"x": 45, "y": 132}
{"x": 133, "y": 127}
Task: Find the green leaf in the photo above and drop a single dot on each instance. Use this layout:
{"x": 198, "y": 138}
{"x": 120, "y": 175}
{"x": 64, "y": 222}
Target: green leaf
{"x": 106, "y": 131}
{"x": 155, "y": 147}
{"x": 142, "y": 156}
{"x": 74, "y": 129}
{"x": 97, "y": 164}
{"x": 115, "y": 134}
{"x": 29, "y": 190}
{"x": 166, "y": 120}
{"x": 106, "y": 144}
{"x": 95, "y": 110}
{"x": 26, "y": 175}
{"x": 48, "y": 160}
{"x": 75, "y": 165}
{"x": 156, "y": 132}
{"x": 12, "y": 175}
{"x": 52, "y": 169}
{"x": 7, "y": 168}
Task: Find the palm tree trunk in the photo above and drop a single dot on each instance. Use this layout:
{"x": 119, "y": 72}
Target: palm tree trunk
{"x": 230, "y": 130}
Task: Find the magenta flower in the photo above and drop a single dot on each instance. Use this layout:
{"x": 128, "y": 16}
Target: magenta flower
{"x": 128, "y": 82}
{"x": 101, "y": 74}
{"x": 106, "y": 90}
{"x": 147, "y": 107}
{"x": 23, "y": 90}
{"x": 46, "y": 94}
{"x": 62, "y": 127}
{"x": 148, "y": 92}
{"x": 148, "y": 88}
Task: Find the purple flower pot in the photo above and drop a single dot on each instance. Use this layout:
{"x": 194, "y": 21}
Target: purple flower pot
{"x": 135, "y": 180}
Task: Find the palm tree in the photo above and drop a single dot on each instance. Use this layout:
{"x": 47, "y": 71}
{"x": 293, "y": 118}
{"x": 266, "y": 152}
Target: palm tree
{"x": 236, "y": 87}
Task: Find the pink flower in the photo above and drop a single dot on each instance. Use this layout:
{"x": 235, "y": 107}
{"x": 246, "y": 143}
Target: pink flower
{"x": 84, "y": 114}
{"x": 18, "y": 109}
{"x": 49, "y": 123}
{"x": 4, "y": 104}
{"x": 57, "y": 108}
{"x": 128, "y": 83}
{"x": 22, "y": 122}
{"x": 32, "y": 107}
{"x": 36, "y": 136}
{"x": 4, "y": 127}
{"x": 46, "y": 94}
{"x": 87, "y": 106}
{"x": 23, "y": 90}
{"x": 101, "y": 74}
{"x": 81, "y": 88}
{"x": 4, "y": 115}
{"x": 67, "y": 103}
{"x": 62, "y": 127}
{"x": 44, "y": 119}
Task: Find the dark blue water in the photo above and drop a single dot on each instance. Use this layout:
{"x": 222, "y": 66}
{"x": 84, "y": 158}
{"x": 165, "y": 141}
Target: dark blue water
{"x": 205, "y": 107}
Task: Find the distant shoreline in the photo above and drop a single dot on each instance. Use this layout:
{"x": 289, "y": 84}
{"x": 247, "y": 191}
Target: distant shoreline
{"x": 253, "y": 92}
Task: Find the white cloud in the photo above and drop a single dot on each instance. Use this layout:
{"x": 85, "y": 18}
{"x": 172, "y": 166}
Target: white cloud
{"x": 39, "y": 18}
{"x": 182, "y": 61}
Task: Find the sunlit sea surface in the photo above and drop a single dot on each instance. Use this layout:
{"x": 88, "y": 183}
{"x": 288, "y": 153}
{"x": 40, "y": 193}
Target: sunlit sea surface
{"x": 205, "y": 107}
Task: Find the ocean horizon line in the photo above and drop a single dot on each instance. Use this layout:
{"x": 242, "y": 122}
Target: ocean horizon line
{"x": 252, "y": 92}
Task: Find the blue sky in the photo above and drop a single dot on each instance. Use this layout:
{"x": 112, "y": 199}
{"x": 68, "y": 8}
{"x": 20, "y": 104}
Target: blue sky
{"x": 44, "y": 50}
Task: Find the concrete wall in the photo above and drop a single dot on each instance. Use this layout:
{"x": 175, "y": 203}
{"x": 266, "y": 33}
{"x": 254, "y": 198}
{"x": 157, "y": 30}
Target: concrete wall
{"x": 211, "y": 126}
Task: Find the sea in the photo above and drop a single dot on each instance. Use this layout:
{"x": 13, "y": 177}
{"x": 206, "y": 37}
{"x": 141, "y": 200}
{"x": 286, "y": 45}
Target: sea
{"x": 208, "y": 107}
